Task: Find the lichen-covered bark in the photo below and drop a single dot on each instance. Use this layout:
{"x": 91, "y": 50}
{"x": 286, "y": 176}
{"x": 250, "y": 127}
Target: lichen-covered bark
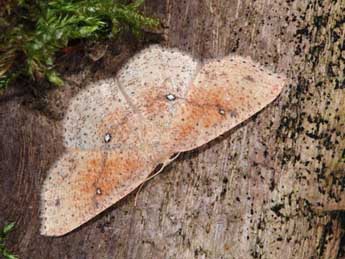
{"x": 271, "y": 187}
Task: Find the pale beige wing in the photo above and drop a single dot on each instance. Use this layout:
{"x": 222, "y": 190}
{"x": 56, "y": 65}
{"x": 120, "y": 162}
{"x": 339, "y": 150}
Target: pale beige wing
{"x": 112, "y": 132}
{"x": 105, "y": 159}
{"x": 156, "y": 82}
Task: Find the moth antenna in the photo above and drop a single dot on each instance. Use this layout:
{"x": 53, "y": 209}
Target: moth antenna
{"x": 155, "y": 174}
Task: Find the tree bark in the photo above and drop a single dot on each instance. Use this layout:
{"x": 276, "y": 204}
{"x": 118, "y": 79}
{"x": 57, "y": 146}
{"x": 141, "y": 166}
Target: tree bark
{"x": 272, "y": 187}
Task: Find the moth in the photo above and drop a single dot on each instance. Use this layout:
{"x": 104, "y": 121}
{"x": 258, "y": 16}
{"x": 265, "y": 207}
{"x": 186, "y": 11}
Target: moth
{"x": 116, "y": 131}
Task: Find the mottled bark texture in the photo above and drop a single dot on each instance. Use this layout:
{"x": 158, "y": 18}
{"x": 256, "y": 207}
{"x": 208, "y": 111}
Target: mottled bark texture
{"x": 271, "y": 188}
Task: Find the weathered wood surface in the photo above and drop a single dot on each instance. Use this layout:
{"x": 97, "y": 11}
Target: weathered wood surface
{"x": 272, "y": 187}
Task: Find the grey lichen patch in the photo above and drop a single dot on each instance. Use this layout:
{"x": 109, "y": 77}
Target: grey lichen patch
{"x": 312, "y": 122}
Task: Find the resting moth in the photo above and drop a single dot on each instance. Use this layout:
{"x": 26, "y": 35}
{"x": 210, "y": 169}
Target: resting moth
{"x": 116, "y": 131}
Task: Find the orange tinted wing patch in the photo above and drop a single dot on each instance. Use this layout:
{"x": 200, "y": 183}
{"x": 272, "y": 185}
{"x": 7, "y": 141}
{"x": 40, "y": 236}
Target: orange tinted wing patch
{"x": 99, "y": 179}
{"x": 224, "y": 93}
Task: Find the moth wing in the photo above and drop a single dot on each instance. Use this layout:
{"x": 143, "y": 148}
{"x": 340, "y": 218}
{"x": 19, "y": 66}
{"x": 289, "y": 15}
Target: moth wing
{"x": 92, "y": 113}
{"x": 224, "y": 93}
{"x": 156, "y": 82}
{"x": 105, "y": 159}
{"x": 94, "y": 173}
{"x": 84, "y": 183}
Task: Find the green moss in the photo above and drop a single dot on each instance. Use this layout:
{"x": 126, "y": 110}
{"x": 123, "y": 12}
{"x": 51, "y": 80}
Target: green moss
{"x": 4, "y": 252}
{"x": 33, "y": 31}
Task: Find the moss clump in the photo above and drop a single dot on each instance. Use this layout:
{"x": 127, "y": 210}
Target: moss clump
{"x": 33, "y": 31}
{"x": 4, "y": 252}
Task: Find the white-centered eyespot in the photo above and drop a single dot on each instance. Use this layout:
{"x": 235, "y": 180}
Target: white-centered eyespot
{"x": 98, "y": 191}
{"x": 170, "y": 97}
{"x": 221, "y": 112}
{"x": 107, "y": 138}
